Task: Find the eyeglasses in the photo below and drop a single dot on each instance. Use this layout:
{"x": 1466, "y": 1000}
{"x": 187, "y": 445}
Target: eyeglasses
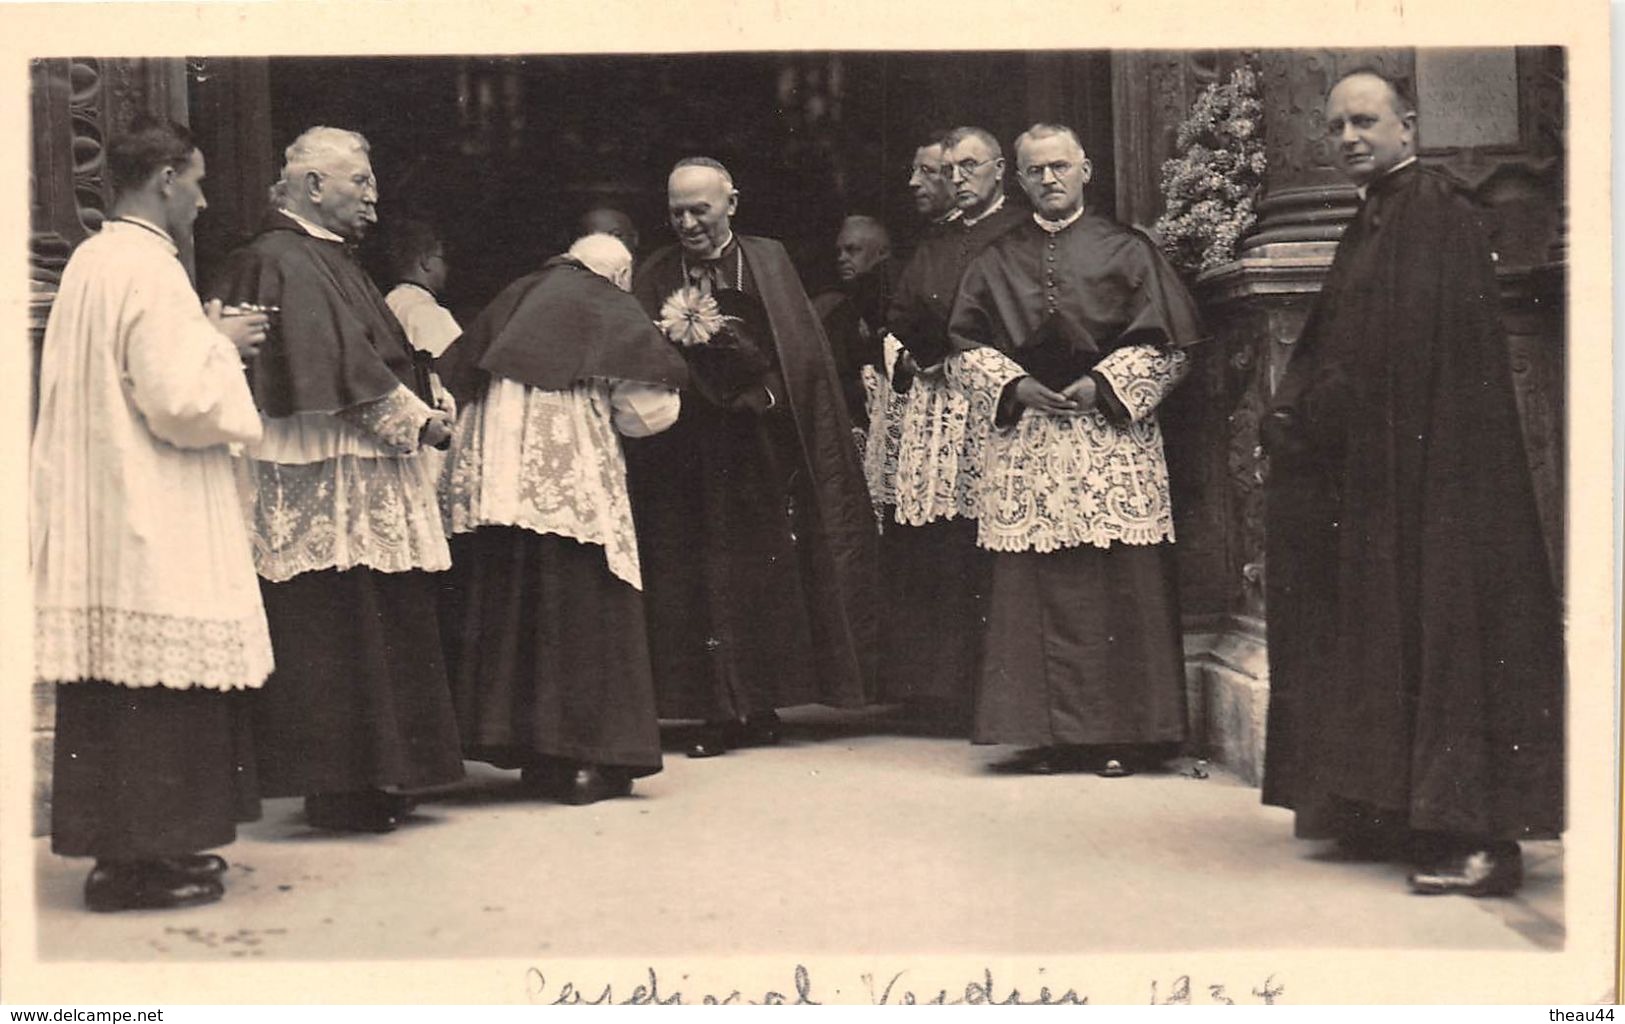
{"x": 360, "y": 181}
{"x": 927, "y": 170}
{"x": 1059, "y": 168}
{"x": 966, "y": 167}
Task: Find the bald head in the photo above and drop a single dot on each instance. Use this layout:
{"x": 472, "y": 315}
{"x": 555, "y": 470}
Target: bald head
{"x": 862, "y": 244}
{"x": 701, "y": 200}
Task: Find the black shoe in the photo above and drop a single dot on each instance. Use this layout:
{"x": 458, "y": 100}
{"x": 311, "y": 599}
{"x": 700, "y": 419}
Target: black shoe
{"x": 201, "y": 866}
{"x": 710, "y": 740}
{"x": 763, "y": 729}
{"x": 366, "y": 810}
{"x": 399, "y": 805}
{"x": 1492, "y": 870}
{"x": 145, "y": 885}
{"x": 590, "y": 784}
{"x": 1114, "y": 769}
{"x": 575, "y": 784}
{"x": 1063, "y": 760}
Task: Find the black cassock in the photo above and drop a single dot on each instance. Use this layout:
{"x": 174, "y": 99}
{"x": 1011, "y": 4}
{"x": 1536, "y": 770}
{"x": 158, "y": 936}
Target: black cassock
{"x": 359, "y": 697}
{"x": 936, "y": 581}
{"x": 754, "y": 529}
{"x": 1416, "y": 666}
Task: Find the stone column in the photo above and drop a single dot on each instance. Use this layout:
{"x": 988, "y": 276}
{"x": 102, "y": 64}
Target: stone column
{"x": 1307, "y": 202}
{"x": 1254, "y": 309}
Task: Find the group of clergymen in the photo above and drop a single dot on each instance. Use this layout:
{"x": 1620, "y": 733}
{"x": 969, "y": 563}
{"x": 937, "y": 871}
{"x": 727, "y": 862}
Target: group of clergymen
{"x": 631, "y": 493}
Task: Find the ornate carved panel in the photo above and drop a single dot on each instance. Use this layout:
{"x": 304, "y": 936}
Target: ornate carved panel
{"x": 1152, "y": 92}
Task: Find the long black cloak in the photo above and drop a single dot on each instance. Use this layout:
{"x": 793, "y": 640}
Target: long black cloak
{"x": 755, "y": 531}
{"x": 1415, "y": 631}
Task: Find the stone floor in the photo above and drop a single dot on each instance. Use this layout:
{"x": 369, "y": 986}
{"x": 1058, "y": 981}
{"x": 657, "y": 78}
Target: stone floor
{"x": 858, "y": 836}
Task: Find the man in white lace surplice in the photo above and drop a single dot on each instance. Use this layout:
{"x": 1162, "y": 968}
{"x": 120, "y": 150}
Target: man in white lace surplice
{"x": 1082, "y": 659}
{"x": 932, "y": 642}
{"x": 344, "y": 515}
{"x": 544, "y": 621}
{"x": 934, "y": 199}
{"x": 146, "y": 607}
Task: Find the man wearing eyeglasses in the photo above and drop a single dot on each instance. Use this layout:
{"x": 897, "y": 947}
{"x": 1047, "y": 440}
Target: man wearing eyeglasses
{"x": 344, "y": 518}
{"x": 934, "y": 623}
{"x": 1071, "y": 330}
{"x": 935, "y": 203}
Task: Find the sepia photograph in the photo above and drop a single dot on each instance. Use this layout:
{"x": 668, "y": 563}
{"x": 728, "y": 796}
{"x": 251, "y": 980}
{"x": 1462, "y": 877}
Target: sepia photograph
{"x": 605, "y": 508}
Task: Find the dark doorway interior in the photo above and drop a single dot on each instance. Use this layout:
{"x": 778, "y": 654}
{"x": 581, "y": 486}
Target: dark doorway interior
{"x": 504, "y": 153}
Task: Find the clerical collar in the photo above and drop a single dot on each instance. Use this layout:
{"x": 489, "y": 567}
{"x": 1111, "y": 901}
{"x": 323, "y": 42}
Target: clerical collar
{"x": 1366, "y": 188}
{"x": 314, "y": 230}
{"x": 993, "y": 208}
{"x": 1055, "y": 226}
{"x": 949, "y": 217}
{"x": 147, "y": 225}
{"x": 716, "y": 254}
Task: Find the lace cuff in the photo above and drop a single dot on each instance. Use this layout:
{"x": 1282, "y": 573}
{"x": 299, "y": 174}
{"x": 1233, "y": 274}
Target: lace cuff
{"x": 983, "y": 370}
{"x": 395, "y": 420}
{"x": 1140, "y": 376}
{"x": 145, "y": 649}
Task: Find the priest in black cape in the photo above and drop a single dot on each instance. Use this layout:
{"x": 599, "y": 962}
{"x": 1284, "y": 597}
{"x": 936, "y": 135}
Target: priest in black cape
{"x": 542, "y": 613}
{"x": 754, "y": 526}
{"x": 1074, "y": 328}
{"x": 1416, "y": 669}
{"x": 937, "y": 578}
{"x": 345, "y": 523}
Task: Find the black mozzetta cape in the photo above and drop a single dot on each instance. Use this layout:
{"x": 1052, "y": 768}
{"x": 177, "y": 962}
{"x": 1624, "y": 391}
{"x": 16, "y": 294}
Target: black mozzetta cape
{"x": 1090, "y": 288}
{"x": 924, "y": 296}
{"x": 1415, "y": 631}
{"x": 334, "y": 344}
{"x": 557, "y": 327}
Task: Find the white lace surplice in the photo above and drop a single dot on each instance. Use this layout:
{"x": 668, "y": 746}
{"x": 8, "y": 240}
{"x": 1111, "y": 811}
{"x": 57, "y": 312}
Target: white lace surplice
{"x": 1052, "y": 482}
{"x": 346, "y": 490}
{"x": 940, "y": 456}
{"x": 551, "y": 462}
{"x": 142, "y": 571}
{"x": 885, "y": 435}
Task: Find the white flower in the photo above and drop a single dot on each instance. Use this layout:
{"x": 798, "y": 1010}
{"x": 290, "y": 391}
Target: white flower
{"x": 690, "y": 317}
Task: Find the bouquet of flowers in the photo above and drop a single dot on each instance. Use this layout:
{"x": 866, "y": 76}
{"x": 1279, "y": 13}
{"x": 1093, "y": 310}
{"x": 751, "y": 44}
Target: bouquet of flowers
{"x": 718, "y": 336}
{"x": 690, "y": 317}
{"x": 1211, "y": 191}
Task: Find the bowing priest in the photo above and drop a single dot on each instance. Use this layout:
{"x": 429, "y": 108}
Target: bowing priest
{"x": 933, "y": 642}
{"x": 1416, "y": 632}
{"x": 755, "y": 531}
{"x": 545, "y": 635}
{"x": 146, "y": 610}
{"x": 344, "y": 518}
{"x": 1072, "y": 330}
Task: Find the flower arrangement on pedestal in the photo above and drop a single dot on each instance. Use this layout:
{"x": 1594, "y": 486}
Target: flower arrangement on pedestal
{"x": 1211, "y": 190}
